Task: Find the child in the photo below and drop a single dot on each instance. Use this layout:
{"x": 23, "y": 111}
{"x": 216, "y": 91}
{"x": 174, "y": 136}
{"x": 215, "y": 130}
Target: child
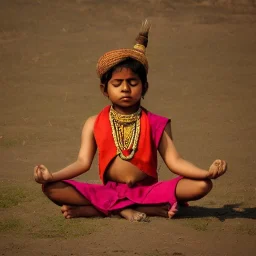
{"x": 127, "y": 137}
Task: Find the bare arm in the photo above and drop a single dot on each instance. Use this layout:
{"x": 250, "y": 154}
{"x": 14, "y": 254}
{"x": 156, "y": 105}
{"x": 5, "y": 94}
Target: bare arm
{"x": 175, "y": 162}
{"x": 82, "y": 164}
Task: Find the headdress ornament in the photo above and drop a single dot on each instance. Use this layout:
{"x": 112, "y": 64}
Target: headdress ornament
{"x": 111, "y": 58}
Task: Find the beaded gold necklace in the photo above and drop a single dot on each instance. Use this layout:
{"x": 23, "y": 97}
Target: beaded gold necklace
{"x": 126, "y": 132}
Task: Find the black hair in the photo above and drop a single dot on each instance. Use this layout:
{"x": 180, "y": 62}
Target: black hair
{"x": 135, "y": 66}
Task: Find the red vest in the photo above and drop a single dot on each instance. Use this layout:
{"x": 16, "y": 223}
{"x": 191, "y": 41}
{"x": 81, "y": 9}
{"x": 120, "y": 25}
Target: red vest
{"x": 145, "y": 157}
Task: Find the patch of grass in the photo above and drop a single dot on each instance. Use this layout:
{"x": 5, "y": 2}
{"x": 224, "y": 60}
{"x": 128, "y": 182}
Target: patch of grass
{"x": 9, "y": 142}
{"x": 58, "y": 227}
{"x": 211, "y": 202}
{"x": 12, "y": 195}
{"x": 198, "y": 224}
{"x": 10, "y": 225}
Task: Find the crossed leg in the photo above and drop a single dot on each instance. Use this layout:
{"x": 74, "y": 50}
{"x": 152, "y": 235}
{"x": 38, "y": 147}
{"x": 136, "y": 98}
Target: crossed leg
{"x": 186, "y": 190}
{"x": 74, "y": 205}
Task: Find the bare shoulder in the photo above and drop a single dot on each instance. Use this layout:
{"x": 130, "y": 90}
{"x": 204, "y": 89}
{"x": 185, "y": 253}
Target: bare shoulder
{"x": 166, "y": 146}
{"x": 89, "y": 123}
{"x": 88, "y": 143}
{"x": 168, "y": 130}
{"x": 91, "y": 120}
{"x": 87, "y": 131}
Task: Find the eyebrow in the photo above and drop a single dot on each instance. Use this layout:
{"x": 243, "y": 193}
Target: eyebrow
{"x": 119, "y": 80}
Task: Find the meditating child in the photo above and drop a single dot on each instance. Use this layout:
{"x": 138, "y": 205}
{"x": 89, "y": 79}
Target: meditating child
{"x": 127, "y": 137}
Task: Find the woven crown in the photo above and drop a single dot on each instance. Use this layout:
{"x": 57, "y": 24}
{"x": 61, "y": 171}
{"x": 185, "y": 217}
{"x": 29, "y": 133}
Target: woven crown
{"x": 112, "y": 58}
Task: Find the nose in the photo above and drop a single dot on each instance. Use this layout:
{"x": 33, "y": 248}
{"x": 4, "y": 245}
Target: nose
{"x": 125, "y": 86}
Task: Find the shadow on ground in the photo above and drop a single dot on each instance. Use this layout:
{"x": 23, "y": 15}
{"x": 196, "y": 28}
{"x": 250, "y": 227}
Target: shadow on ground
{"x": 228, "y": 211}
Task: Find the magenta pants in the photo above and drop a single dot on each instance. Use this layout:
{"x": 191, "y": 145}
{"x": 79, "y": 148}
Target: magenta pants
{"x": 114, "y": 196}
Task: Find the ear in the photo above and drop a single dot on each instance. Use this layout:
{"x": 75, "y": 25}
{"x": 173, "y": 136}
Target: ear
{"x": 103, "y": 90}
{"x": 145, "y": 89}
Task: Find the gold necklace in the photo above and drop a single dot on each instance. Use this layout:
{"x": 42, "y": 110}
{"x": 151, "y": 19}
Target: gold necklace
{"x": 125, "y": 131}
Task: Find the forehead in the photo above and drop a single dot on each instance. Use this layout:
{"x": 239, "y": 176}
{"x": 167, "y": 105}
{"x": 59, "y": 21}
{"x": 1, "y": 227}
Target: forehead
{"x": 124, "y": 73}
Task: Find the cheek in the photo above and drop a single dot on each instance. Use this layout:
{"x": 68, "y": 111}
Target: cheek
{"x": 112, "y": 91}
{"x": 139, "y": 91}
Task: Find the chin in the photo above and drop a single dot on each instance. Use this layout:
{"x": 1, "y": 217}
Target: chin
{"x": 129, "y": 105}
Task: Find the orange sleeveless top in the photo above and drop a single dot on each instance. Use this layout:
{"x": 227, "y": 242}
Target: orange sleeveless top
{"x": 145, "y": 158}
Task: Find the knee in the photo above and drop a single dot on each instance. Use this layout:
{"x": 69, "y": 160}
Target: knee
{"x": 205, "y": 186}
{"x": 49, "y": 189}
{"x": 53, "y": 192}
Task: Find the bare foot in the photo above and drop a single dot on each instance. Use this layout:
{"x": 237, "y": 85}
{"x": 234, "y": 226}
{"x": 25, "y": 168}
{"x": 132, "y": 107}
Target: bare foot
{"x": 173, "y": 210}
{"x": 80, "y": 211}
{"x": 218, "y": 168}
{"x": 133, "y": 215}
{"x": 159, "y": 210}
{"x": 154, "y": 210}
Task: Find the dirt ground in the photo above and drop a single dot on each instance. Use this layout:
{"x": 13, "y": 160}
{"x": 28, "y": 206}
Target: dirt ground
{"x": 202, "y": 57}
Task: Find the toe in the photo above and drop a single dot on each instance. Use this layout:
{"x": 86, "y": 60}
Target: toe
{"x": 65, "y": 214}
{"x": 64, "y": 208}
{"x": 172, "y": 213}
{"x": 139, "y": 217}
{"x": 173, "y": 210}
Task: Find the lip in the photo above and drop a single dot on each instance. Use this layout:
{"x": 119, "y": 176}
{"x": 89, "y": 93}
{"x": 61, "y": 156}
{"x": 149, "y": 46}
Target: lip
{"x": 126, "y": 98}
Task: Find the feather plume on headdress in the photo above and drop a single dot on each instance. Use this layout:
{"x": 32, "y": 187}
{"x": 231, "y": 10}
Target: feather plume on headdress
{"x": 111, "y": 58}
{"x": 142, "y": 38}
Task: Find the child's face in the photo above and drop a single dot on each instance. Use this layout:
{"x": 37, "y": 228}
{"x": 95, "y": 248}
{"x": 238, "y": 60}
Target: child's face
{"x": 124, "y": 88}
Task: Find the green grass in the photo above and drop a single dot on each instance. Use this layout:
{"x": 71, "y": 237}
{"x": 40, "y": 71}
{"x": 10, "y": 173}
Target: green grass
{"x": 198, "y": 224}
{"x": 11, "y": 195}
{"x": 42, "y": 226}
{"x": 58, "y": 227}
{"x": 7, "y": 225}
{"x": 24, "y": 209}
{"x": 9, "y": 142}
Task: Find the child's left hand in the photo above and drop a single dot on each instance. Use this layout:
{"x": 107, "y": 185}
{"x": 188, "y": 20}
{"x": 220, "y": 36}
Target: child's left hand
{"x": 218, "y": 168}
{"x": 42, "y": 174}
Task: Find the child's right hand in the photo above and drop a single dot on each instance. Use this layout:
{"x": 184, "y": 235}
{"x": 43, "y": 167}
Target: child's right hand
{"x": 218, "y": 168}
{"x": 42, "y": 175}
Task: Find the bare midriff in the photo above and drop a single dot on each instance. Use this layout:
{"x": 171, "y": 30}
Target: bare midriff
{"x": 124, "y": 172}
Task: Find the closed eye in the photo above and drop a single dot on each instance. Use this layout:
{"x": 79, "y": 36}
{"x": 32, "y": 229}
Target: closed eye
{"x": 133, "y": 82}
{"x": 116, "y": 83}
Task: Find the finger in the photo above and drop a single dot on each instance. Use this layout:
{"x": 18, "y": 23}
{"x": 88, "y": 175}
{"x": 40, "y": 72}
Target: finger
{"x": 225, "y": 166}
{"x": 213, "y": 173}
{"x": 39, "y": 174}
{"x": 222, "y": 166}
{"x": 43, "y": 170}
{"x": 35, "y": 176}
{"x": 42, "y": 167}
{"x": 35, "y": 168}
{"x": 222, "y": 170}
{"x": 217, "y": 162}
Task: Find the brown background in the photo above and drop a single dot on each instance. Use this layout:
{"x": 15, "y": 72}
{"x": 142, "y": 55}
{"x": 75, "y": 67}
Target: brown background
{"x": 202, "y": 57}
